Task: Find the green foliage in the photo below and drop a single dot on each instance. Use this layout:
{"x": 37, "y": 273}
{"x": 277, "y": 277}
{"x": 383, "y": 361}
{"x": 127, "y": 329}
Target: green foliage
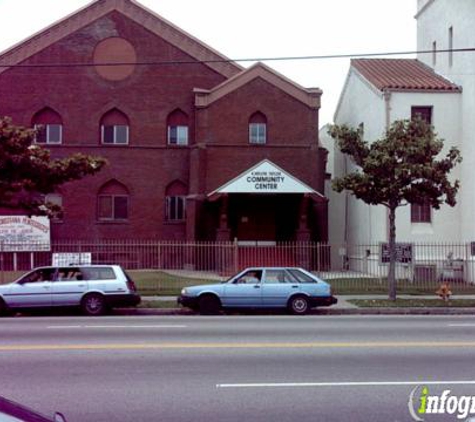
{"x": 403, "y": 167}
{"x": 28, "y": 173}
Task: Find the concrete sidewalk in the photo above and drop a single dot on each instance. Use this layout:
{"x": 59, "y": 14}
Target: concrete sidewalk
{"x": 343, "y": 307}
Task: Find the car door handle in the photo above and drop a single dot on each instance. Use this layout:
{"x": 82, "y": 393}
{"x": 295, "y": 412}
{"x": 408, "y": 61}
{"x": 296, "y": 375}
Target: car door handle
{"x": 257, "y": 286}
{"x": 295, "y": 287}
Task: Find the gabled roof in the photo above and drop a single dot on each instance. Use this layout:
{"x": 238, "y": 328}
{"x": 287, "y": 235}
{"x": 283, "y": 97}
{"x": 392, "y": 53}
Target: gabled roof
{"x": 265, "y": 177}
{"x": 133, "y": 10}
{"x": 401, "y": 75}
{"x": 308, "y": 96}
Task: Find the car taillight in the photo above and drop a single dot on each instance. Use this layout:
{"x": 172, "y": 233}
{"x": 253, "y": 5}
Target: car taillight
{"x": 131, "y": 286}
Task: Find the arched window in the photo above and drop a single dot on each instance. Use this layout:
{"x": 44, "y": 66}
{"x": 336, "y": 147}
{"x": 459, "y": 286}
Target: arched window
{"x": 49, "y": 125}
{"x": 175, "y": 201}
{"x": 113, "y": 202}
{"x": 177, "y": 128}
{"x": 114, "y": 128}
{"x": 258, "y": 128}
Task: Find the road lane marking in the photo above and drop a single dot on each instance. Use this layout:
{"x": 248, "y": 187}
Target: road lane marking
{"x": 461, "y": 325}
{"x": 67, "y": 327}
{"x": 342, "y": 384}
{"x": 309, "y": 345}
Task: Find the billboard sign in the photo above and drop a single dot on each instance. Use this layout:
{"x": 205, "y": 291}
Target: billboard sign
{"x": 19, "y": 233}
{"x": 64, "y": 259}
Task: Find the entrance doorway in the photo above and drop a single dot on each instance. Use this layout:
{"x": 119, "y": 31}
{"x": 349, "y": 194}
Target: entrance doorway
{"x": 264, "y": 217}
{"x": 255, "y": 219}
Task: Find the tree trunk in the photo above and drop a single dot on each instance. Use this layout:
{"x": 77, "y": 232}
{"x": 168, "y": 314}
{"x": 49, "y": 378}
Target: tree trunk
{"x": 392, "y": 254}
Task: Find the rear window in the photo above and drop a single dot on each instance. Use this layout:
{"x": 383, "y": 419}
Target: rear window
{"x": 301, "y": 277}
{"x": 98, "y": 273}
{"x": 127, "y": 276}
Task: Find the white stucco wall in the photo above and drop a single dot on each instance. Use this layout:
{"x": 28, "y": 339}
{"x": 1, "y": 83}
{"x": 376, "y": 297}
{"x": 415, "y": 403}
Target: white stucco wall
{"x": 361, "y": 103}
{"x": 433, "y": 23}
{"x": 336, "y": 202}
{"x": 445, "y": 226}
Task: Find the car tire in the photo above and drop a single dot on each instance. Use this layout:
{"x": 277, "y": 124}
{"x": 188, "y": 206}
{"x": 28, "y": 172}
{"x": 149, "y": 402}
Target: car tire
{"x": 93, "y": 304}
{"x": 4, "y": 311}
{"x": 209, "y": 305}
{"x": 299, "y": 305}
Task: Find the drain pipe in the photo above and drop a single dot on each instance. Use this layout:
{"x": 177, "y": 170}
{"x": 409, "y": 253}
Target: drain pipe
{"x": 387, "y": 107}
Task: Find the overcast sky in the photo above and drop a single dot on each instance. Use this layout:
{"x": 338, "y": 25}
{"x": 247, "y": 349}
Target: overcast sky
{"x": 261, "y": 28}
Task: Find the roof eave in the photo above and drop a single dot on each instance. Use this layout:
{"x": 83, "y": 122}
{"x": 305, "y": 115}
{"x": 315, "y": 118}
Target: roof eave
{"x": 133, "y": 10}
{"x": 308, "y": 96}
{"x": 456, "y": 90}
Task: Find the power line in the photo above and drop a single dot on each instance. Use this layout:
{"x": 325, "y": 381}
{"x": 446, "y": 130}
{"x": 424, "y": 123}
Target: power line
{"x": 255, "y": 59}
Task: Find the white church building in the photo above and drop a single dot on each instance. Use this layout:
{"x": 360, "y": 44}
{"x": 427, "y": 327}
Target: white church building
{"x": 439, "y": 85}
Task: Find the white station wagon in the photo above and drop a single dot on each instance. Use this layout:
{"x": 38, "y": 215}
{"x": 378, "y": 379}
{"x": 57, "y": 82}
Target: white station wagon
{"x": 93, "y": 288}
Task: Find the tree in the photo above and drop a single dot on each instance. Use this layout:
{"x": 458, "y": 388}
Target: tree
{"x": 404, "y": 167}
{"x": 28, "y": 173}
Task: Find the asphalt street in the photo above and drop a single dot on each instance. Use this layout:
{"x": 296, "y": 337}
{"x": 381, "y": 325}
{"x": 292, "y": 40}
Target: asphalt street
{"x": 235, "y": 368}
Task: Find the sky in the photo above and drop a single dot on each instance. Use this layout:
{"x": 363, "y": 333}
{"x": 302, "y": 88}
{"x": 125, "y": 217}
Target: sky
{"x": 261, "y": 29}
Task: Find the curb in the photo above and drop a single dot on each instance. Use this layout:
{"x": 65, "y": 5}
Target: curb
{"x": 398, "y": 311}
{"x": 350, "y": 311}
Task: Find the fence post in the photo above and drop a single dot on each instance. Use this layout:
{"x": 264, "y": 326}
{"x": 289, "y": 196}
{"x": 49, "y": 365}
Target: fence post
{"x": 188, "y": 263}
{"x": 2, "y": 261}
{"x": 159, "y": 259}
{"x": 236, "y": 255}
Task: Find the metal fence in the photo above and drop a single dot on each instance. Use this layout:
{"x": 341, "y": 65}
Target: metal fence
{"x": 221, "y": 257}
{"x": 362, "y": 267}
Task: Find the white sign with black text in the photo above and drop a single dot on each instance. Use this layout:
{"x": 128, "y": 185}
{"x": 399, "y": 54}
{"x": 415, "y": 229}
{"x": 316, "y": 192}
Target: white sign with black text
{"x": 19, "y": 233}
{"x": 265, "y": 177}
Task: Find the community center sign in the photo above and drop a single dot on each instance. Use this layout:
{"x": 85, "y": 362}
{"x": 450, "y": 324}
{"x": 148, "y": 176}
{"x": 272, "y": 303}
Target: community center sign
{"x": 19, "y": 233}
{"x": 265, "y": 177}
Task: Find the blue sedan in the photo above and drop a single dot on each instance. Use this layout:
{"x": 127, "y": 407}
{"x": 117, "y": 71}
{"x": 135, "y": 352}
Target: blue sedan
{"x": 261, "y": 287}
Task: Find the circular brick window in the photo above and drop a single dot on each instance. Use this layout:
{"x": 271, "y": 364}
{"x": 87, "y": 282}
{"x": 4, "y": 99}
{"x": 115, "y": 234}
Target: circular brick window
{"x": 109, "y": 53}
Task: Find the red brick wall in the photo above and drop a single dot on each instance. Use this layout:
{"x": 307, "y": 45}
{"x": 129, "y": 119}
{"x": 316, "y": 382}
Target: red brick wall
{"x": 147, "y": 165}
{"x": 81, "y": 96}
{"x": 292, "y": 135}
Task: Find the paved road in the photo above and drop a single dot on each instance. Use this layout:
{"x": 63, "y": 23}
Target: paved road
{"x": 235, "y": 368}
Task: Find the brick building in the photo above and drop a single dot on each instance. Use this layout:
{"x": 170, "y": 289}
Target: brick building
{"x": 198, "y": 147}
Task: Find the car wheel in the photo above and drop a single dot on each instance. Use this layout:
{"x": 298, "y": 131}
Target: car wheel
{"x": 3, "y": 308}
{"x": 209, "y": 305}
{"x": 93, "y": 304}
{"x": 299, "y": 305}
